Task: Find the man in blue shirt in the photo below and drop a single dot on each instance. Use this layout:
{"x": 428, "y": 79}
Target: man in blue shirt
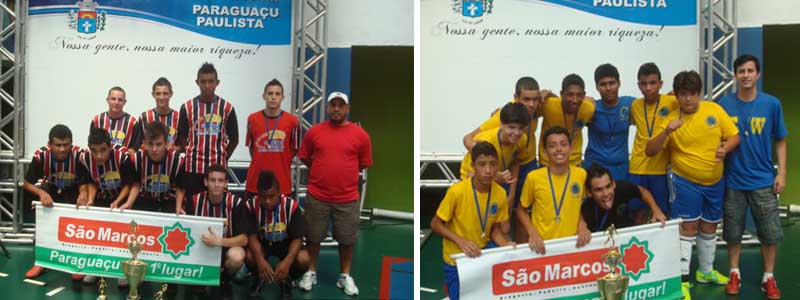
{"x": 749, "y": 173}
{"x": 608, "y": 131}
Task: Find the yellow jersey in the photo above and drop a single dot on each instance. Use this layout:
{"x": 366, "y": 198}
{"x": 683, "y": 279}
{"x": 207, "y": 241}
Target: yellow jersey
{"x": 693, "y": 147}
{"x": 506, "y": 154}
{"x": 645, "y": 117}
{"x": 553, "y": 114}
{"x": 458, "y": 211}
{"x": 545, "y": 198}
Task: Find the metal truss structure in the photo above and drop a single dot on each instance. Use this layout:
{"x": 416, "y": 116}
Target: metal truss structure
{"x": 718, "y": 37}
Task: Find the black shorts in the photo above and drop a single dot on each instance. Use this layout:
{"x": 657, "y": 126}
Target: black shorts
{"x": 281, "y": 250}
{"x": 164, "y": 206}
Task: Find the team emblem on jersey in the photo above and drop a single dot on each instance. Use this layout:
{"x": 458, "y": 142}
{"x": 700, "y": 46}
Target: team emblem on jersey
{"x": 276, "y": 234}
{"x": 157, "y": 183}
{"x": 624, "y": 113}
{"x": 711, "y": 121}
{"x": 62, "y": 179}
{"x": 472, "y": 10}
{"x": 664, "y": 111}
{"x": 87, "y": 19}
{"x": 575, "y": 189}
{"x": 171, "y": 135}
{"x": 110, "y": 180}
{"x": 117, "y": 137}
{"x": 264, "y": 144}
{"x": 209, "y": 124}
{"x": 493, "y": 209}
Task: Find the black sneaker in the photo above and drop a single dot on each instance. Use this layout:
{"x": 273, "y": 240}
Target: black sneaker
{"x": 286, "y": 289}
{"x": 255, "y": 287}
{"x": 226, "y": 291}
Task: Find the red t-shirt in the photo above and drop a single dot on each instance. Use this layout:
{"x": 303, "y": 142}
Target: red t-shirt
{"x": 271, "y": 148}
{"x": 337, "y": 153}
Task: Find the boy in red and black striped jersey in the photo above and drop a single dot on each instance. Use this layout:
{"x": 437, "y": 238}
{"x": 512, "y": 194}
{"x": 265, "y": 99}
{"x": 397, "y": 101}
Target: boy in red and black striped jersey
{"x": 56, "y": 166}
{"x": 162, "y": 92}
{"x": 217, "y": 202}
{"x": 278, "y": 230}
{"x": 273, "y": 140}
{"x": 115, "y": 121}
{"x": 105, "y": 165}
{"x": 156, "y": 171}
{"x": 207, "y": 130}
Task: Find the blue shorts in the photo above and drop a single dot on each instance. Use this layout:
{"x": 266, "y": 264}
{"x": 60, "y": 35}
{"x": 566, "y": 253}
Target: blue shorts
{"x": 523, "y": 173}
{"x": 618, "y": 171}
{"x": 695, "y": 201}
{"x": 451, "y": 275}
{"x": 658, "y": 186}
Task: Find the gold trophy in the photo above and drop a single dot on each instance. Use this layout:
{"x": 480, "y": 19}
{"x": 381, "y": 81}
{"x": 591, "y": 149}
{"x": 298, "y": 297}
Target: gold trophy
{"x": 102, "y": 289}
{"x": 612, "y": 286}
{"x": 134, "y": 269}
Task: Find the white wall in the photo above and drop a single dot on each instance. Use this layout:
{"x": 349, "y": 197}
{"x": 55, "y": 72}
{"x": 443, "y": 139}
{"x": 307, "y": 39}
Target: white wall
{"x": 370, "y": 23}
{"x": 755, "y": 13}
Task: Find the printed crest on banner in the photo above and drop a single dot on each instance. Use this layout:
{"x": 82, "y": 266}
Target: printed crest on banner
{"x": 472, "y": 10}
{"x": 636, "y": 258}
{"x": 87, "y": 20}
{"x": 176, "y": 240}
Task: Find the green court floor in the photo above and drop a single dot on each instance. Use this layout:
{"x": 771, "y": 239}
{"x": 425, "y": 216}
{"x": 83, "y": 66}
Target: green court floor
{"x": 787, "y": 270}
{"x": 377, "y": 238}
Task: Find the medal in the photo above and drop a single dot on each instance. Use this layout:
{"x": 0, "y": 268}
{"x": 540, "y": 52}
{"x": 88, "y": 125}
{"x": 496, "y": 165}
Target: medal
{"x": 483, "y": 220}
{"x": 557, "y": 206}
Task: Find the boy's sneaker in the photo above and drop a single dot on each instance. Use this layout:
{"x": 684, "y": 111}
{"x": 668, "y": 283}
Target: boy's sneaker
{"x": 89, "y": 279}
{"x": 771, "y": 288}
{"x": 734, "y": 283}
{"x": 122, "y": 283}
{"x": 711, "y": 277}
{"x": 286, "y": 289}
{"x": 685, "y": 286}
{"x": 346, "y": 282}
{"x": 308, "y": 280}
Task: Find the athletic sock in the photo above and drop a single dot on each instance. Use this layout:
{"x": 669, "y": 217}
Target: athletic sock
{"x": 766, "y": 276}
{"x": 686, "y": 253}
{"x": 706, "y": 248}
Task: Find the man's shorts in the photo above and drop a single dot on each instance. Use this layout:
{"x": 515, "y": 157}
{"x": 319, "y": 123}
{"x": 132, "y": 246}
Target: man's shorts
{"x": 695, "y": 201}
{"x": 451, "y": 275}
{"x": 345, "y": 218}
{"x": 764, "y": 207}
{"x": 658, "y": 185}
{"x": 523, "y": 173}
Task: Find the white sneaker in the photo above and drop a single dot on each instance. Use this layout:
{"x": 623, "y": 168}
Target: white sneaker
{"x": 308, "y": 280}
{"x": 122, "y": 282}
{"x": 346, "y": 282}
{"x": 89, "y": 279}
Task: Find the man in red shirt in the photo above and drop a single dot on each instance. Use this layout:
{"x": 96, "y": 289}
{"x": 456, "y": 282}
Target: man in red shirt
{"x": 334, "y": 151}
{"x": 272, "y": 137}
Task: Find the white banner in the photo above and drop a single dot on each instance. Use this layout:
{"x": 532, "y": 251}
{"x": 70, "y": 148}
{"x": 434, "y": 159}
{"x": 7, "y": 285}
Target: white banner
{"x": 77, "y": 50}
{"x": 473, "y": 51}
{"x": 94, "y": 241}
{"x": 651, "y": 257}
